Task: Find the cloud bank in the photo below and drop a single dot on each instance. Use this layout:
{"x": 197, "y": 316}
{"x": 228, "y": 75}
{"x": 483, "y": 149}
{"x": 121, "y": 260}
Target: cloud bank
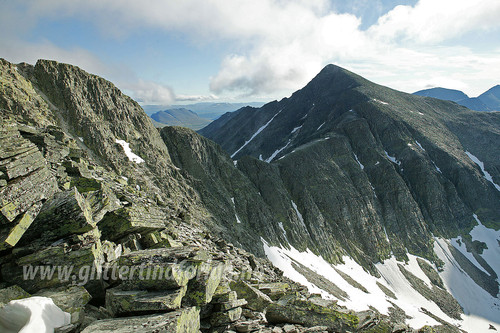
{"x": 278, "y": 46}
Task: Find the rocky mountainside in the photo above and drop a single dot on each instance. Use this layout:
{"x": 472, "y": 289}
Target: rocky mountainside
{"x": 367, "y": 202}
{"x": 100, "y": 219}
{"x": 373, "y": 172}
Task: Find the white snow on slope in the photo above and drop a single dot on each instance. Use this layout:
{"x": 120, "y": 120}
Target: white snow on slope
{"x": 459, "y": 244}
{"x": 486, "y": 174}
{"x": 392, "y": 278}
{"x": 236, "y": 215}
{"x": 381, "y": 102}
{"x": 256, "y": 133}
{"x": 492, "y": 239}
{"x": 277, "y": 151}
{"x": 418, "y": 144}
{"x": 296, "y": 129}
{"x": 33, "y": 314}
{"x": 480, "y": 308}
{"x": 301, "y": 219}
{"x": 357, "y": 160}
{"x": 131, "y": 156}
{"x": 320, "y": 127}
{"x": 391, "y": 158}
{"x": 437, "y": 168}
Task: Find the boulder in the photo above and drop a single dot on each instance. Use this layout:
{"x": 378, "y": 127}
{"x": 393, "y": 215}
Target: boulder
{"x": 69, "y": 299}
{"x": 66, "y": 213}
{"x": 132, "y": 219}
{"x": 160, "y": 269}
{"x": 185, "y": 320}
{"x": 126, "y": 302}
{"x": 11, "y": 234}
{"x": 275, "y": 290}
{"x": 256, "y": 299}
{"x": 312, "y": 312}
{"x": 221, "y": 318}
{"x": 202, "y": 288}
{"x": 12, "y": 293}
{"x": 62, "y": 264}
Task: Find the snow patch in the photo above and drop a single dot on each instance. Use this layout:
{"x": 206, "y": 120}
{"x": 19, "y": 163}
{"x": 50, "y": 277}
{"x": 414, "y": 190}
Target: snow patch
{"x": 392, "y": 278}
{"x": 33, "y": 314}
{"x": 492, "y": 239}
{"x": 277, "y": 151}
{"x": 301, "y": 219}
{"x": 320, "y": 127}
{"x": 418, "y": 144}
{"x": 296, "y": 129}
{"x": 131, "y": 156}
{"x": 357, "y": 160}
{"x": 437, "y": 168}
{"x": 486, "y": 174}
{"x": 459, "y": 244}
{"x": 480, "y": 308}
{"x": 256, "y": 133}
{"x": 381, "y": 102}
{"x": 391, "y": 158}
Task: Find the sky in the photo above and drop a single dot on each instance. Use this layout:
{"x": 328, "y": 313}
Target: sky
{"x": 185, "y": 51}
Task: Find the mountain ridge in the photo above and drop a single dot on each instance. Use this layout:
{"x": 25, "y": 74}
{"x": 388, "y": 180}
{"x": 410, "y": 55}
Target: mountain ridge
{"x": 361, "y": 178}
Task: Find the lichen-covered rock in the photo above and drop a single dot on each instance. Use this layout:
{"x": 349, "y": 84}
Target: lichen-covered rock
{"x": 27, "y": 181}
{"x": 275, "y": 290}
{"x": 61, "y": 264}
{"x": 202, "y": 288}
{"x": 226, "y": 317}
{"x": 12, "y": 293}
{"x": 311, "y": 313}
{"x": 12, "y": 233}
{"x": 69, "y": 299}
{"x": 185, "y": 320}
{"x": 160, "y": 269}
{"x": 66, "y": 213}
{"x": 126, "y": 302}
{"x": 132, "y": 219}
{"x": 257, "y": 300}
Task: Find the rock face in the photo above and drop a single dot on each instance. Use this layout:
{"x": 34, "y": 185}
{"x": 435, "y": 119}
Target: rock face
{"x": 387, "y": 168}
{"x": 159, "y": 242}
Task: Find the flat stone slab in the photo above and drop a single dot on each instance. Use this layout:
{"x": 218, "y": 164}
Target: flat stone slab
{"x": 185, "y": 320}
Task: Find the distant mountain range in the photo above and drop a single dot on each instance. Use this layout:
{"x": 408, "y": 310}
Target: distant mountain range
{"x": 206, "y": 110}
{"x": 488, "y": 101}
{"x": 179, "y": 117}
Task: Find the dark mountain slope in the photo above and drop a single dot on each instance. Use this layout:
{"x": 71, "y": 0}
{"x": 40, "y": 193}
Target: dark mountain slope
{"x": 413, "y": 179}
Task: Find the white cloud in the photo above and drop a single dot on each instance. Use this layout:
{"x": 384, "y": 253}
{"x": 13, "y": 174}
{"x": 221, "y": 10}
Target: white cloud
{"x": 432, "y": 21}
{"x": 279, "y": 45}
{"x": 147, "y": 92}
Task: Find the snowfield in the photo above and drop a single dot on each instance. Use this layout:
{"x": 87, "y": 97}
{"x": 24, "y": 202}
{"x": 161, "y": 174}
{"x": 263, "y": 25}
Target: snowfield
{"x": 131, "y": 156}
{"x": 480, "y": 308}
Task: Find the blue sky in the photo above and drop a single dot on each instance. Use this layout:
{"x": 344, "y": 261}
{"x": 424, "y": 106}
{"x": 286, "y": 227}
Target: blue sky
{"x": 171, "y": 51}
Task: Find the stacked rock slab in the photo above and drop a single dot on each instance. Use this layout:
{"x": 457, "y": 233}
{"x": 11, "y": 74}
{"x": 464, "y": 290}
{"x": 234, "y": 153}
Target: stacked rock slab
{"x": 25, "y": 182}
